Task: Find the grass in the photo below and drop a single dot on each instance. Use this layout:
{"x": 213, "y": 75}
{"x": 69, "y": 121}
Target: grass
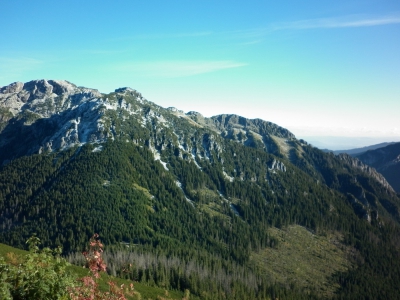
{"x": 143, "y": 190}
{"x": 305, "y": 259}
{"x": 214, "y": 204}
{"x": 283, "y": 145}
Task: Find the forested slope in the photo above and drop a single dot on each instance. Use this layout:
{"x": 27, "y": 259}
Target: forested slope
{"x": 194, "y": 203}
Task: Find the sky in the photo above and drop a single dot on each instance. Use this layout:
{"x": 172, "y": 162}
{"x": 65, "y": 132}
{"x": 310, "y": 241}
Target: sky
{"x": 329, "y": 71}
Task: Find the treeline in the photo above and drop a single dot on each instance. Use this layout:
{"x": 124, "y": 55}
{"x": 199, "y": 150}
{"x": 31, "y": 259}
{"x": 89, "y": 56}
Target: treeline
{"x": 207, "y": 276}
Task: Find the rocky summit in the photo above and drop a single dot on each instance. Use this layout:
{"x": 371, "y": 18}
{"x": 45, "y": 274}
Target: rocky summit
{"x": 79, "y": 115}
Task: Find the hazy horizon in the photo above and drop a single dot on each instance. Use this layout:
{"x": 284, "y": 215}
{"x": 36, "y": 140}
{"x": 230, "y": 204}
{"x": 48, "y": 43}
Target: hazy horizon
{"x": 346, "y": 143}
{"x": 318, "y": 69}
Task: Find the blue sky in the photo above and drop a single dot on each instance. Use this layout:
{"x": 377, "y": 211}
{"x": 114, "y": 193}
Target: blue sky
{"x": 318, "y": 68}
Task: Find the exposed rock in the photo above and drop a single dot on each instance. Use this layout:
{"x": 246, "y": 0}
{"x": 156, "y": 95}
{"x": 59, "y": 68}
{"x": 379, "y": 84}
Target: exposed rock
{"x": 175, "y": 110}
{"x": 44, "y": 97}
{"x": 226, "y": 122}
{"x": 277, "y": 165}
{"x": 124, "y": 89}
{"x": 12, "y": 88}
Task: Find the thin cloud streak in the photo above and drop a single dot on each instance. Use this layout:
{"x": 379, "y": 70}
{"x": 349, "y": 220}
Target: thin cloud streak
{"x": 163, "y": 36}
{"x": 322, "y": 23}
{"x": 336, "y": 23}
{"x": 173, "y": 69}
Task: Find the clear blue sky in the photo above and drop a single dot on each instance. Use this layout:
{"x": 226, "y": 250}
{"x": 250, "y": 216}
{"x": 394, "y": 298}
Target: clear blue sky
{"x": 315, "y": 67}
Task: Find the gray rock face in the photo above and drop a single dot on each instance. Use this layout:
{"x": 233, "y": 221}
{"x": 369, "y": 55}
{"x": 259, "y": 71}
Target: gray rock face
{"x": 66, "y": 114}
{"x": 229, "y": 122}
{"x": 249, "y": 132}
{"x": 277, "y": 165}
{"x": 12, "y": 88}
{"x": 43, "y": 97}
{"x": 124, "y": 89}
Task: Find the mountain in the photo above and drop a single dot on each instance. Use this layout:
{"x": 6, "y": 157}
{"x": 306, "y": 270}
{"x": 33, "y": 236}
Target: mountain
{"x": 386, "y": 160}
{"x": 206, "y": 204}
{"x": 359, "y": 151}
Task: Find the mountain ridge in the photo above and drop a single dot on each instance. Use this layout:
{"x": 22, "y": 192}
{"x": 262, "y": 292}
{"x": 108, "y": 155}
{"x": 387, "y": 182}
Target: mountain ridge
{"x": 359, "y": 151}
{"x": 68, "y": 115}
{"x": 37, "y": 100}
{"x": 76, "y": 160}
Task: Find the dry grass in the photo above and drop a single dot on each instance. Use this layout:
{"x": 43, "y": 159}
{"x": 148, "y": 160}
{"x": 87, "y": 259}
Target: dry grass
{"x": 282, "y": 144}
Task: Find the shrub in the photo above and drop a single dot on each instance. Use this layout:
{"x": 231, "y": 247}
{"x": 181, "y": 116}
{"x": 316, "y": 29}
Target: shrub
{"x": 42, "y": 274}
{"x": 37, "y": 275}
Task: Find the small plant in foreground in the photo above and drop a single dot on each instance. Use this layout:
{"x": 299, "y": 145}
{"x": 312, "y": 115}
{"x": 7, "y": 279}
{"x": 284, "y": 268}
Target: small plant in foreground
{"x": 89, "y": 288}
{"x": 37, "y": 275}
{"x": 42, "y": 274}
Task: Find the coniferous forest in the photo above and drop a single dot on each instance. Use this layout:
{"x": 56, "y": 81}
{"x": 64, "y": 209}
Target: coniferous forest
{"x": 131, "y": 200}
{"x": 184, "y": 208}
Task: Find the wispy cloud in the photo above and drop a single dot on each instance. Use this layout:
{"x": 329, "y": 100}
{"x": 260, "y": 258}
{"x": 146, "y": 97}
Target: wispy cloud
{"x": 104, "y": 52}
{"x": 176, "y": 35}
{"x": 164, "y": 36}
{"x": 256, "y": 34}
{"x": 177, "y": 68}
{"x": 344, "y": 22}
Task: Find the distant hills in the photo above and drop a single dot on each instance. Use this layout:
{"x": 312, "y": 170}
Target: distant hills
{"x": 222, "y": 206}
{"x": 343, "y": 143}
{"x": 361, "y": 150}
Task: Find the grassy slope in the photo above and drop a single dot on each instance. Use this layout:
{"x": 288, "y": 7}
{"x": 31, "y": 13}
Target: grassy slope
{"x": 304, "y": 258}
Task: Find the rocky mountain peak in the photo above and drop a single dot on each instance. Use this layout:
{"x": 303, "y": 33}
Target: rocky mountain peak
{"x": 38, "y": 94}
{"x": 226, "y": 122}
{"x": 124, "y": 89}
{"x": 12, "y": 88}
{"x": 40, "y": 88}
{"x": 175, "y": 110}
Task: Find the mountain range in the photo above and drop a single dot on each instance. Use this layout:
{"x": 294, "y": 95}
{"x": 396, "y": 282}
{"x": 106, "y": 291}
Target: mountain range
{"x": 358, "y": 151}
{"x": 208, "y": 200}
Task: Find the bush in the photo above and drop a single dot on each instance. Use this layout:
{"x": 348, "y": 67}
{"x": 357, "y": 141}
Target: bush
{"x": 37, "y": 275}
{"x": 43, "y": 275}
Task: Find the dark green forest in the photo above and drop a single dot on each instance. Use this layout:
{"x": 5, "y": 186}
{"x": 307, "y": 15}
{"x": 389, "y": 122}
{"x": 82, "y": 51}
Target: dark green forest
{"x": 136, "y": 206}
